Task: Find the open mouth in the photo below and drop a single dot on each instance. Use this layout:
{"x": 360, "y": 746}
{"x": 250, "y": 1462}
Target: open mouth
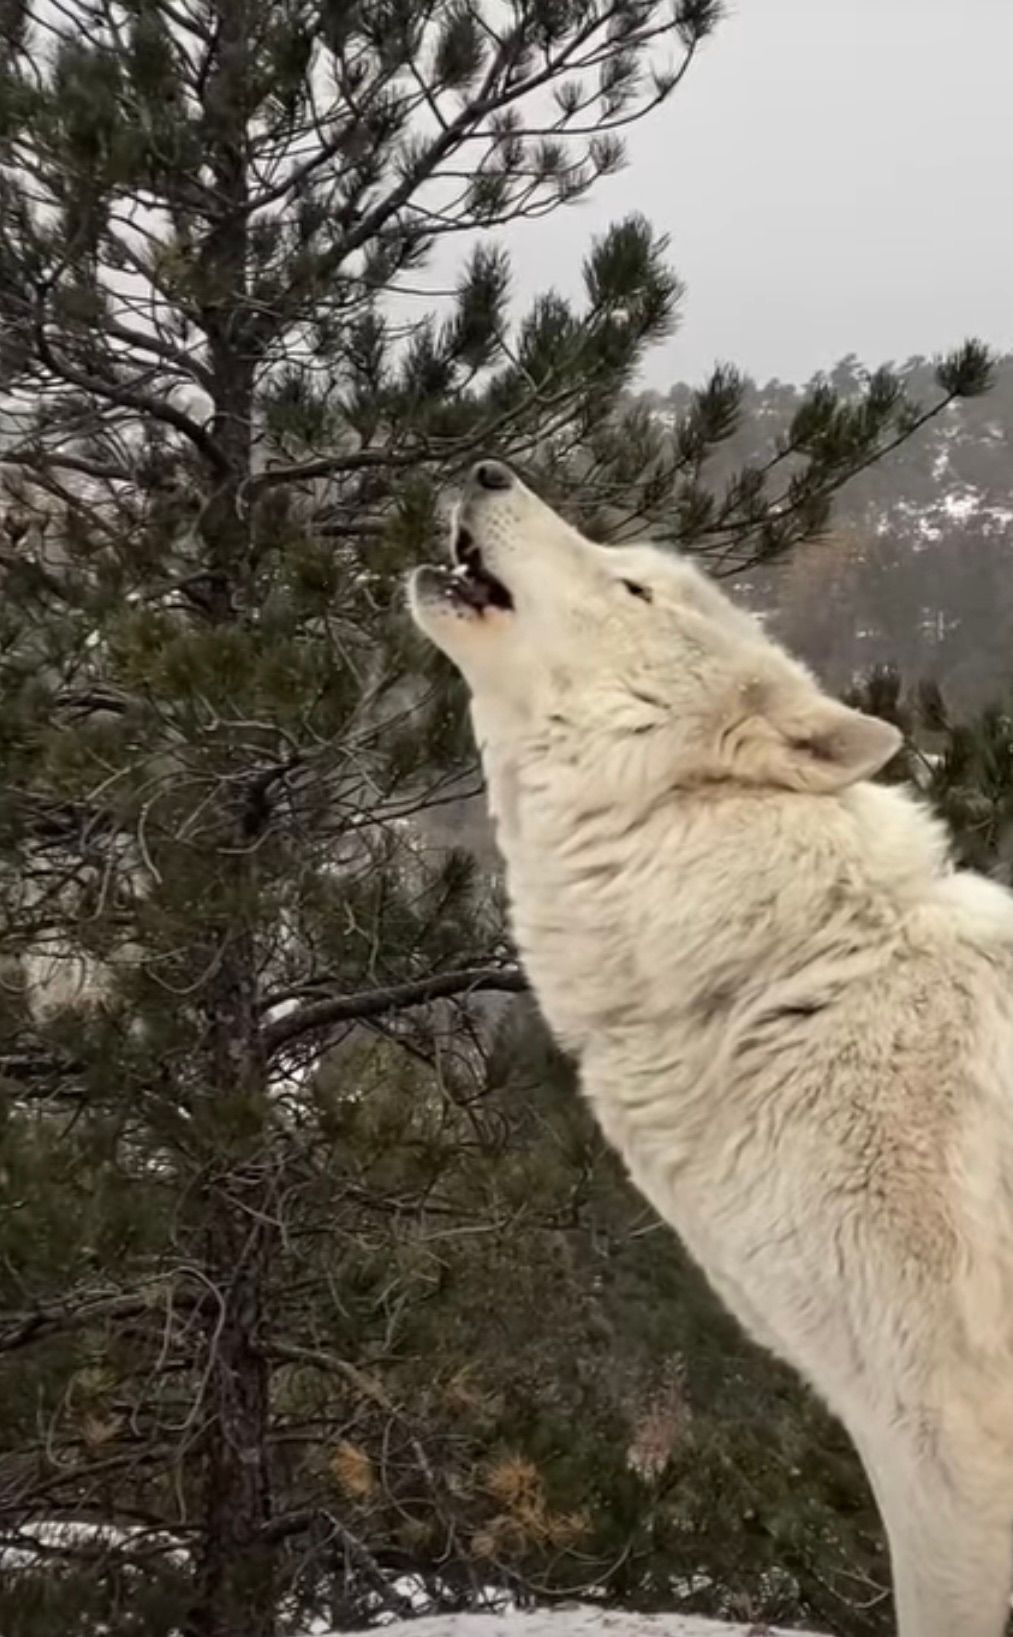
{"x": 471, "y": 582}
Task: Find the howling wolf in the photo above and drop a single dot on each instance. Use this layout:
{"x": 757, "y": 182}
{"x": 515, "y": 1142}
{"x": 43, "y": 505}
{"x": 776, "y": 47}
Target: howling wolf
{"x": 793, "y": 1017}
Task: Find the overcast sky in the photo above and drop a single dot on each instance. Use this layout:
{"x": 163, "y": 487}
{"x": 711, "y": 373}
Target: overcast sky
{"x": 835, "y": 175}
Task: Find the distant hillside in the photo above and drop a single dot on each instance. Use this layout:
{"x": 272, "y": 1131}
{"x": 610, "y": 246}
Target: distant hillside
{"x": 918, "y": 568}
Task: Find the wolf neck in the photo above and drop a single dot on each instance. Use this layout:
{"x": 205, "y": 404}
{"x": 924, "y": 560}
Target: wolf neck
{"x": 623, "y": 914}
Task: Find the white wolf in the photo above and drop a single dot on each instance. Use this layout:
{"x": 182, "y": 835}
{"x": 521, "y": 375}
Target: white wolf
{"x": 793, "y": 1017}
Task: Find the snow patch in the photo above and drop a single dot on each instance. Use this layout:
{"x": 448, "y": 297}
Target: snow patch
{"x": 574, "y": 1622}
{"x": 961, "y": 504}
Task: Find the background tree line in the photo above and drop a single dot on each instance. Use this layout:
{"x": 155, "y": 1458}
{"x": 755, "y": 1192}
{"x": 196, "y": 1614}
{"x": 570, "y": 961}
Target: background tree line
{"x": 914, "y": 570}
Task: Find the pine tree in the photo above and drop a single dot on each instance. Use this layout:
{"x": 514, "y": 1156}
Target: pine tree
{"x": 962, "y": 763}
{"x": 226, "y": 942}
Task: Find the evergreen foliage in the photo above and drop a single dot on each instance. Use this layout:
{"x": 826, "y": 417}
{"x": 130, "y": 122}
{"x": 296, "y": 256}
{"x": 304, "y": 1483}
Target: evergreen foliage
{"x": 303, "y": 1286}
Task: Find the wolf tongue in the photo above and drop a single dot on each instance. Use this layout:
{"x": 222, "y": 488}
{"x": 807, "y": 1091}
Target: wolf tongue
{"x": 471, "y": 589}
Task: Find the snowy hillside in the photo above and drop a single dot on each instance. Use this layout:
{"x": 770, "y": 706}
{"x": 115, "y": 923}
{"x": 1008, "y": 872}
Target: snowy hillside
{"x": 915, "y": 570}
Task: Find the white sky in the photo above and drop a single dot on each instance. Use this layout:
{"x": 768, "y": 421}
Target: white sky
{"x": 835, "y": 175}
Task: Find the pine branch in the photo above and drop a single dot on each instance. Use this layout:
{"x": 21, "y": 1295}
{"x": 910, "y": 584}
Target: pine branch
{"x": 148, "y": 341}
{"x": 338, "y": 1533}
{"x": 29, "y": 1066}
{"x": 291, "y": 1353}
{"x": 61, "y": 1317}
{"x": 43, "y": 460}
{"x": 497, "y": 92}
{"x": 129, "y": 397}
{"x": 324, "y": 1014}
{"x": 351, "y": 460}
{"x": 784, "y": 507}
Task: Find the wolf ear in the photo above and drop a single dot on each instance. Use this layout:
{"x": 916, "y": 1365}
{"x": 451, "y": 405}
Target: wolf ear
{"x": 804, "y": 741}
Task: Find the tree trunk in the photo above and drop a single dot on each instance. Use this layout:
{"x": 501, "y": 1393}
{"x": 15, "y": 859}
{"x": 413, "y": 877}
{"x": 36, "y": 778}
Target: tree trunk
{"x": 235, "y": 1591}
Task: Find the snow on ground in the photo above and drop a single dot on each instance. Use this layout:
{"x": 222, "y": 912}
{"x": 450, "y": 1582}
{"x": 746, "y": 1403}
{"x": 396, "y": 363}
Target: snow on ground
{"x": 575, "y": 1622}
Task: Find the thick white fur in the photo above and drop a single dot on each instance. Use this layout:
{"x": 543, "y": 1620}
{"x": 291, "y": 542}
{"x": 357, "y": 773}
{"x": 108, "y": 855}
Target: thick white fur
{"x": 793, "y": 1018}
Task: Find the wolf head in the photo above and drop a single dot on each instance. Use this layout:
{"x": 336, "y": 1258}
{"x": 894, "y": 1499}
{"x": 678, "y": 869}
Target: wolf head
{"x": 626, "y": 660}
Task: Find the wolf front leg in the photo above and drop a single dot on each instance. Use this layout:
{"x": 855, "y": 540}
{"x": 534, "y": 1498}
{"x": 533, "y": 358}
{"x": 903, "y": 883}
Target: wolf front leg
{"x": 948, "y": 1516}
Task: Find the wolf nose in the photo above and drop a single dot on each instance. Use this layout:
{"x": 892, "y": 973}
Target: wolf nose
{"x": 492, "y": 474}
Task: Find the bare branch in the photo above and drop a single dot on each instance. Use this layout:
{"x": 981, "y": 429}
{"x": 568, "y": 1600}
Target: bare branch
{"x": 398, "y": 997}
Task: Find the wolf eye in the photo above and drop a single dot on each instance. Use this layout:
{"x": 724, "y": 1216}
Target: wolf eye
{"x": 636, "y": 590}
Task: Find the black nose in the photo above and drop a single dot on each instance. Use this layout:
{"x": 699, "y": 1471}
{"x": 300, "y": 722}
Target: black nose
{"x": 492, "y": 474}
